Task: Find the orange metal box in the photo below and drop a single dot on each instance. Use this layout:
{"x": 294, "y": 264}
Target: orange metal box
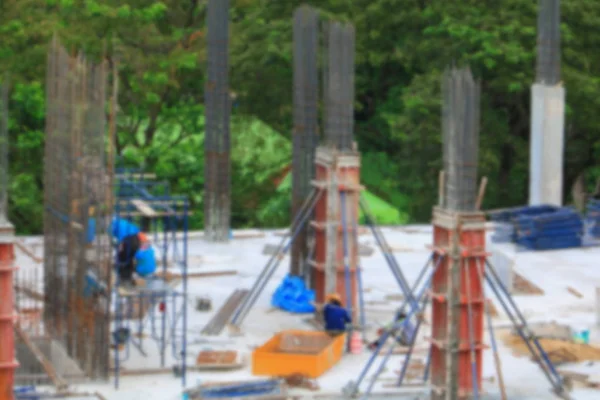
{"x": 292, "y": 352}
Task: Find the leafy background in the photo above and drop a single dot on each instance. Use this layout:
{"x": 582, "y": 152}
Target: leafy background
{"x": 402, "y": 48}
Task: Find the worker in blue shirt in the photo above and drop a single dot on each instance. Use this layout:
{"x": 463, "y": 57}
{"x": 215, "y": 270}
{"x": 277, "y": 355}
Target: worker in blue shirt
{"x": 336, "y": 317}
{"x": 135, "y": 253}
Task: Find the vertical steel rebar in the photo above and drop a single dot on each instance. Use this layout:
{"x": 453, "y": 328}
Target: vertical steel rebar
{"x": 339, "y": 98}
{"x": 460, "y": 128}
{"x": 217, "y": 182}
{"x": 304, "y": 136}
{"x": 78, "y": 205}
{"x": 548, "y": 42}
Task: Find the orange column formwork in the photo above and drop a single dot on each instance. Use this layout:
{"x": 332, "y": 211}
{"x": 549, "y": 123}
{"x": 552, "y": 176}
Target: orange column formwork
{"x": 346, "y": 167}
{"x": 8, "y": 363}
{"x": 459, "y": 238}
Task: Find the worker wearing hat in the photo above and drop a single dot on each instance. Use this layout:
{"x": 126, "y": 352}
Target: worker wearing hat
{"x": 135, "y": 253}
{"x": 335, "y": 315}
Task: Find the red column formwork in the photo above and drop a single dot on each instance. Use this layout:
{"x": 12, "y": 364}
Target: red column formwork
{"x": 8, "y": 363}
{"x": 346, "y": 166}
{"x": 469, "y": 253}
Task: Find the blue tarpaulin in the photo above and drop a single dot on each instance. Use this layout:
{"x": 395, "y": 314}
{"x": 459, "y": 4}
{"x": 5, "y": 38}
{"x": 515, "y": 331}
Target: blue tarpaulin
{"x": 293, "y": 296}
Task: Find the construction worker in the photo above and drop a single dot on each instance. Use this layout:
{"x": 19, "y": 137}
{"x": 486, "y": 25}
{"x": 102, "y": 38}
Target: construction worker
{"x": 135, "y": 253}
{"x": 401, "y": 329}
{"x": 335, "y": 315}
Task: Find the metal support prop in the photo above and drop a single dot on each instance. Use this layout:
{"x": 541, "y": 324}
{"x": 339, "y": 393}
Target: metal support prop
{"x": 331, "y": 232}
{"x": 394, "y": 267}
{"x": 361, "y": 296}
{"x": 453, "y": 298}
{"x": 488, "y": 315}
{"x": 354, "y": 386}
{"x": 540, "y": 355}
{"x": 471, "y": 335}
{"x": 427, "y": 366}
{"x": 412, "y": 346}
{"x": 349, "y": 297}
{"x": 421, "y": 276}
{"x": 391, "y": 349}
{"x": 269, "y": 270}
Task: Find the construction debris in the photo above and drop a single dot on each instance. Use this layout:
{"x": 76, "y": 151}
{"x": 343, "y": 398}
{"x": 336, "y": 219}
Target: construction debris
{"x": 559, "y": 351}
{"x": 551, "y": 330}
{"x": 301, "y": 381}
{"x": 522, "y": 286}
{"x": 226, "y": 360}
{"x": 216, "y": 357}
{"x": 491, "y": 308}
{"x": 203, "y": 304}
{"x": 574, "y": 292}
{"x": 580, "y": 379}
{"x": 394, "y": 297}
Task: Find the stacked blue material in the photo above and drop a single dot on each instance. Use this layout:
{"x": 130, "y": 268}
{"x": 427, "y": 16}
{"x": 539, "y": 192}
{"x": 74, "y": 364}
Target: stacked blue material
{"x": 559, "y": 229}
{"x": 293, "y": 296}
{"x": 241, "y": 390}
{"x": 505, "y": 220}
{"x": 593, "y": 217}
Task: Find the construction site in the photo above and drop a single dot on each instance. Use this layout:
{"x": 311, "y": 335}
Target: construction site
{"x": 495, "y": 304}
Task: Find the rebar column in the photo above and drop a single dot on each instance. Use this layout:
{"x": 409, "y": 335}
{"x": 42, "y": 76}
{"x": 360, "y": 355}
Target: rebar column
{"x": 459, "y": 237}
{"x": 306, "y": 87}
{"x": 548, "y": 43}
{"x": 217, "y": 176}
{"x": 78, "y": 209}
{"x": 337, "y": 173}
{"x": 547, "y": 112}
{"x": 460, "y": 126}
{"x": 339, "y": 89}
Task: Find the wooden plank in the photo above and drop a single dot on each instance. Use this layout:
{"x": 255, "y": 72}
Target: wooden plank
{"x": 222, "y": 317}
{"x": 28, "y": 252}
{"x": 574, "y": 292}
{"x": 48, "y": 367}
{"x": 207, "y": 274}
{"x": 481, "y": 193}
{"x": 30, "y": 293}
{"x": 144, "y": 208}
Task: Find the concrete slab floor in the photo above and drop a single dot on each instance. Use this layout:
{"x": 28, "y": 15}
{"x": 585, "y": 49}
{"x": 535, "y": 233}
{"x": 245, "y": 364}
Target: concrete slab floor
{"x": 552, "y": 271}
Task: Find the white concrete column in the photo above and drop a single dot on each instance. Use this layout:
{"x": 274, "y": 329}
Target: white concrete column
{"x": 547, "y": 145}
{"x": 598, "y": 307}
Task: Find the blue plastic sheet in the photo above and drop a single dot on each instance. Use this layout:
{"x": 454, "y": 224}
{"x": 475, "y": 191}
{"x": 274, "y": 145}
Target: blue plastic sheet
{"x": 293, "y": 296}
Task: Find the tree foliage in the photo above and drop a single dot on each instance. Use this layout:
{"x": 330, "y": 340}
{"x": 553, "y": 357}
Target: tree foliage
{"x": 402, "y": 50}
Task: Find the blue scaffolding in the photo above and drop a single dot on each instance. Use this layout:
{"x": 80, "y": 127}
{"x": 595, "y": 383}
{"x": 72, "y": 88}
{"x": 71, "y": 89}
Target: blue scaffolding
{"x": 162, "y": 303}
